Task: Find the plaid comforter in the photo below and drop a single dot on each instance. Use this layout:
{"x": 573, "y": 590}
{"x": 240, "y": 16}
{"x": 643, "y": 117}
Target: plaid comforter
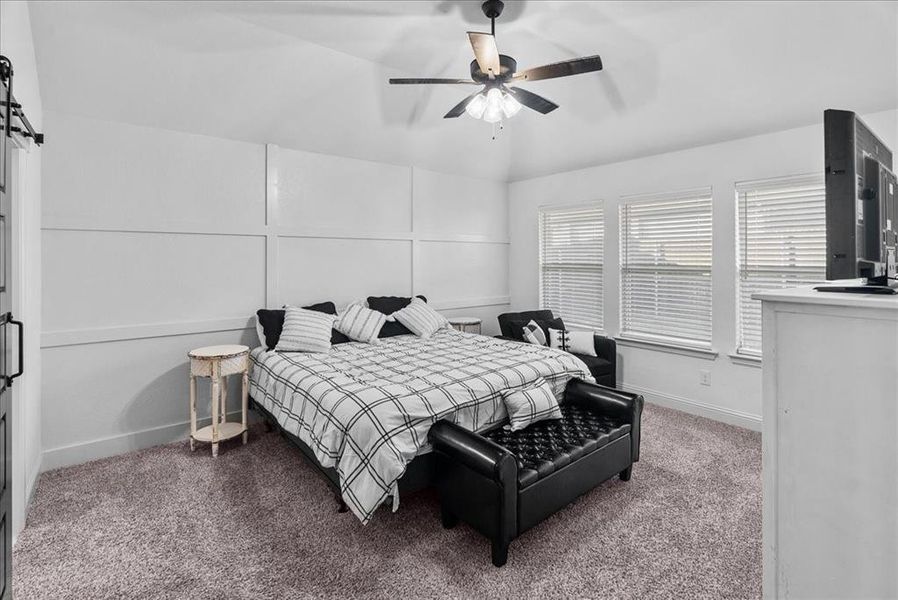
{"x": 366, "y": 409}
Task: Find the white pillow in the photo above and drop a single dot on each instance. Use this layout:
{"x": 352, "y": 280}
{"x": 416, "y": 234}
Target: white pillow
{"x": 534, "y": 334}
{"x": 529, "y": 405}
{"x": 360, "y": 323}
{"x": 305, "y": 331}
{"x": 575, "y": 342}
{"x": 261, "y": 333}
{"x": 420, "y": 319}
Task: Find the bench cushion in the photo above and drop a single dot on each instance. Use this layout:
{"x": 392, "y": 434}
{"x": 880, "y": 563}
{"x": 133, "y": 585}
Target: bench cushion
{"x": 544, "y": 447}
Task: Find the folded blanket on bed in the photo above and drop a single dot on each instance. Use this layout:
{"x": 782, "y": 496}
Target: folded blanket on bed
{"x": 366, "y": 409}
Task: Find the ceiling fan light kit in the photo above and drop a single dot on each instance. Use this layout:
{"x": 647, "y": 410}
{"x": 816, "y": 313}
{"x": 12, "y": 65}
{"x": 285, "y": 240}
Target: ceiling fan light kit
{"x": 497, "y": 100}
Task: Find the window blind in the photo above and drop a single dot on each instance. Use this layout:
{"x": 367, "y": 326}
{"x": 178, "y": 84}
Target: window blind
{"x": 782, "y": 243}
{"x": 666, "y": 268}
{"x": 571, "y": 264}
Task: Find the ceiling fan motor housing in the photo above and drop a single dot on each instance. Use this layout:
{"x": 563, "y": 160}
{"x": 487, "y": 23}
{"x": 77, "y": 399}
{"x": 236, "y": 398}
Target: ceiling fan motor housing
{"x": 492, "y": 8}
{"x": 507, "y": 68}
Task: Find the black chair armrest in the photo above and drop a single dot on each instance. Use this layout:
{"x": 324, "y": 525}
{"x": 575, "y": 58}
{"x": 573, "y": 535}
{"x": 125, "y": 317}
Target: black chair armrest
{"x": 606, "y": 348}
{"x": 474, "y": 451}
{"x": 625, "y": 406}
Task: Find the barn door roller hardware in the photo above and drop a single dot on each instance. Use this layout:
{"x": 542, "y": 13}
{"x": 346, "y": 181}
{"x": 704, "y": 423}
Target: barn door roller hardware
{"x": 11, "y": 108}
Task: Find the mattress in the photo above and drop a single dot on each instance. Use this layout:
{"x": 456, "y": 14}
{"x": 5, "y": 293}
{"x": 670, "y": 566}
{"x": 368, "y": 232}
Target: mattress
{"x": 365, "y": 409}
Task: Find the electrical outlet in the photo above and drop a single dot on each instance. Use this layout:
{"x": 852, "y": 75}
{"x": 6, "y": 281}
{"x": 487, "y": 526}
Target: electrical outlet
{"x": 704, "y": 377}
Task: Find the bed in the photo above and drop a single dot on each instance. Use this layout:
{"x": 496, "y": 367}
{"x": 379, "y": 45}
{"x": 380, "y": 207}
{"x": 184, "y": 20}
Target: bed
{"x": 362, "y": 412}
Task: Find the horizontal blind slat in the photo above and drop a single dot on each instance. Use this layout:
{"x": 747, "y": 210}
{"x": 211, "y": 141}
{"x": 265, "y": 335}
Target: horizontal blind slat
{"x": 572, "y": 241}
{"x": 782, "y": 243}
{"x": 666, "y": 258}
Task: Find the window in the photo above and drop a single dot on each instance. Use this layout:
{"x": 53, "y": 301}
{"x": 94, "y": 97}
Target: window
{"x": 782, "y": 243}
{"x": 666, "y": 268}
{"x": 571, "y": 243}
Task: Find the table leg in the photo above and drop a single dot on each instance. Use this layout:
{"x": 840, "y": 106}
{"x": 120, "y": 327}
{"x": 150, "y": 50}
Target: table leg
{"x": 192, "y": 411}
{"x": 216, "y": 397}
{"x": 224, "y": 399}
{"x": 244, "y": 404}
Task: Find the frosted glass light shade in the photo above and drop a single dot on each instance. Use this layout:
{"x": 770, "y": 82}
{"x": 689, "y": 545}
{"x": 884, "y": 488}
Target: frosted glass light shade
{"x": 493, "y": 106}
{"x": 476, "y": 106}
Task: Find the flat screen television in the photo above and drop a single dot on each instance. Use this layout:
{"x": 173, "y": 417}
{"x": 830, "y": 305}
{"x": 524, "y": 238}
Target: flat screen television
{"x": 861, "y": 207}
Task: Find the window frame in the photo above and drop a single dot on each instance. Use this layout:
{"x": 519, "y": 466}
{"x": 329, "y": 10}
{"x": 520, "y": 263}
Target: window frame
{"x": 741, "y": 353}
{"x": 573, "y": 207}
{"x": 696, "y": 348}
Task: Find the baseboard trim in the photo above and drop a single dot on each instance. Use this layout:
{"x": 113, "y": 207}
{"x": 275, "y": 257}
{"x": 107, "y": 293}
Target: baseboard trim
{"x": 701, "y": 409}
{"x": 74, "y": 454}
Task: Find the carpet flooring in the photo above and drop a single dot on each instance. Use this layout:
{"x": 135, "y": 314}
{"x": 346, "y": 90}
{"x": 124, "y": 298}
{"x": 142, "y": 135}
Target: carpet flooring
{"x": 258, "y": 522}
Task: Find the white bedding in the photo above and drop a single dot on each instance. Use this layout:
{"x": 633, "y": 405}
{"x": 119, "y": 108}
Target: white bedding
{"x": 366, "y": 409}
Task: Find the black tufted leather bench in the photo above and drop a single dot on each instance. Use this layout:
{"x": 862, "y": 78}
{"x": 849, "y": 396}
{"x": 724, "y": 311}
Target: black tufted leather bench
{"x": 503, "y": 483}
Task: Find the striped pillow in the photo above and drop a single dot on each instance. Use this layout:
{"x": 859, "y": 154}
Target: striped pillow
{"x": 420, "y": 319}
{"x": 305, "y": 331}
{"x": 529, "y": 405}
{"x": 360, "y": 323}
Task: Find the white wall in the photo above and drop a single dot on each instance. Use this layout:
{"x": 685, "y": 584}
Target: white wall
{"x": 156, "y": 242}
{"x": 664, "y": 377}
{"x": 25, "y": 176}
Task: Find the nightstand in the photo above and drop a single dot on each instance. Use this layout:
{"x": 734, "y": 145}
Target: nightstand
{"x": 217, "y": 363}
{"x": 465, "y": 324}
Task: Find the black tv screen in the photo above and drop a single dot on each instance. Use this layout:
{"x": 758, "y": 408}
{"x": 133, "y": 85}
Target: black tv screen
{"x": 861, "y": 202}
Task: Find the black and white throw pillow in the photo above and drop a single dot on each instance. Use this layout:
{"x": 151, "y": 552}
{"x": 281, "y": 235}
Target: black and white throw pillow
{"x": 534, "y": 334}
{"x": 529, "y": 405}
{"x": 305, "y": 331}
{"x": 420, "y": 319}
{"x": 575, "y": 342}
{"x": 360, "y": 323}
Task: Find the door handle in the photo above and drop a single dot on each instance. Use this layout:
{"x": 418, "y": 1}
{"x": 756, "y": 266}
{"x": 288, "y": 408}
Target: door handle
{"x": 21, "y": 326}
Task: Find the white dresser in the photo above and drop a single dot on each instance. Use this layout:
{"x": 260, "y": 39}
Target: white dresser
{"x": 830, "y": 445}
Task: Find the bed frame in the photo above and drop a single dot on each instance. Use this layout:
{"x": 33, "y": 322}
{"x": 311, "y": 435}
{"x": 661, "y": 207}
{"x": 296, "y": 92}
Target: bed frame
{"x": 419, "y": 473}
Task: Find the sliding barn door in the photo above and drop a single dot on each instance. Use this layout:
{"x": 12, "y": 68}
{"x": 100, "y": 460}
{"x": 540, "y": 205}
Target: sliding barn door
{"x": 6, "y": 320}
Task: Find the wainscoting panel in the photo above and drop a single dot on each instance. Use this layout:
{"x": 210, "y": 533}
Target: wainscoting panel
{"x": 108, "y": 174}
{"x": 451, "y": 204}
{"x": 316, "y": 269}
{"x": 342, "y": 194}
{"x": 156, "y": 242}
{"x": 113, "y": 397}
{"x": 482, "y": 267}
{"x": 105, "y": 279}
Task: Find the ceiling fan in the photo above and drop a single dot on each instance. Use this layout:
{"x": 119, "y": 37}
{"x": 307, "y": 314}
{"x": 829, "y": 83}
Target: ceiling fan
{"x": 499, "y": 100}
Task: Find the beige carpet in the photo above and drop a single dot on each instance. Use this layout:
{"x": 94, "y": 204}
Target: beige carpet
{"x": 258, "y": 522}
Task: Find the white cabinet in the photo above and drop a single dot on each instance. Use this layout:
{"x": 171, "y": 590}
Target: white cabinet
{"x": 830, "y": 445}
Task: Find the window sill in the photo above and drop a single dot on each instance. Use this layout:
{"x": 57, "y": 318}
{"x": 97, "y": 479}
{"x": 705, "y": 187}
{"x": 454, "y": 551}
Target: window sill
{"x": 667, "y": 347}
{"x": 746, "y": 360}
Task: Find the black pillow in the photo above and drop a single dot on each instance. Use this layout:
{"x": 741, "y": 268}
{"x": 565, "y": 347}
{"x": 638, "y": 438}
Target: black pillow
{"x": 388, "y": 305}
{"x": 517, "y": 327}
{"x": 272, "y": 322}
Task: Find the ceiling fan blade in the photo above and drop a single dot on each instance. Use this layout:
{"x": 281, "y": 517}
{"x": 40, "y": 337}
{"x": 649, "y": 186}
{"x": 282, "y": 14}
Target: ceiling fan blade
{"x": 459, "y": 108}
{"x": 532, "y": 101}
{"x": 575, "y": 66}
{"x": 486, "y": 52}
{"x": 416, "y": 80}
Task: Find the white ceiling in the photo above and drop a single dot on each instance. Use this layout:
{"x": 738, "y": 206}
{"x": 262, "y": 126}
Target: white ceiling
{"x": 313, "y": 75}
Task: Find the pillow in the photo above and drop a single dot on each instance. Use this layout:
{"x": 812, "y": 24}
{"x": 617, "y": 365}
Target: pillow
{"x": 534, "y": 334}
{"x": 305, "y": 331}
{"x": 260, "y": 332}
{"x": 272, "y": 322}
{"x": 388, "y": 305}
{"x": 422, "y": 320}
{"x": 517, "y": 327}
{"x": 360, "y": 323}
{"x": 575, "y": 342}
{"x": 531, "y": 404}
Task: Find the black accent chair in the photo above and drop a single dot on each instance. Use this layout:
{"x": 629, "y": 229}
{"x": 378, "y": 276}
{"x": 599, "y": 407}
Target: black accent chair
{"x": 502, "y": 483}
{"x": 603, "y": 367}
